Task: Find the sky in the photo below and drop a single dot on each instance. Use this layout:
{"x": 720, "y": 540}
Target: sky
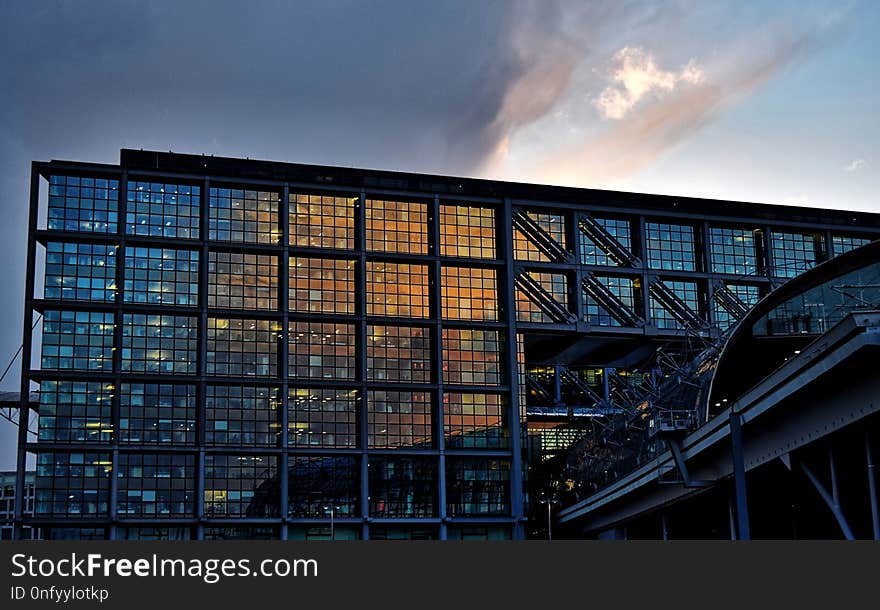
{"x": 742, "y": 100}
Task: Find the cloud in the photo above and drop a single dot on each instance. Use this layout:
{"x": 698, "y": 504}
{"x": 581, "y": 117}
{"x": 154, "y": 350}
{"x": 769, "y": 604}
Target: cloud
{"x": 637, "y": 76}
{"x": 855, "y": 165}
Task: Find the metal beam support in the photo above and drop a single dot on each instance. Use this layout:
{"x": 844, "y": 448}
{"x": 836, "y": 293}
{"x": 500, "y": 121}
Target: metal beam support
{"x": 284, "y": 355}
{"x": 360, "y": 298}
{"x": 435, "y": 275}
{"x": 830, "y": 501}
{"x": 739, "y": 477}
{"x": 872, "y": 488}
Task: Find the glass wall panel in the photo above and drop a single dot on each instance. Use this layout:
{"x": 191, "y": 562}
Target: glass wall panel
{"x": 323, "y": 532}
{"x": 475, "y": 421}
{"x": 397, "y": 290}
{"x": 156, "y": 485}
{"x": 75, "y": 412}
{"x": 733, "y": 250}
{"x": 322, "y": 221}
{"x": 624, "y": 288}
{"x": 794, "y": 253}
{"x": 402, "y": 532}
{"x": 593, "y": 254}
{"x": 469, "y": 294}
{"x": 318, "y": 483}
{"x": 555, "y": 284}
{"x": 162, "y": 276}
{"x": 321, "y": 285}
{"x": 402, "y": 486}
{"x": 687, "y": 292}
{"x": 72, "y": 484}
{"x": 552, "y": 224}
{"x": 242, "y": 281}
{"x": 399, "y": 420}
{"x": 477, "y": 487}
{"x": 243, "y": 348}
{"x": 153, "y": 413}
{"x": 163, "y": 210}
{"x": 749, "y": 295}
{"x": 77, "y": 340}
{"x": 471, "y": 357}
{"x": 244, "y": 216}
{"x": 322, "y": 350}
{"x": 467, "y": 232}
{"x": 242, "y": 532}
{"x": 159, "y": 344}
{"x": 322, "y": 417}
{"x": 242, "y": 416}
{"x": 397, "y": 226}
{"x": 398, "y": 353}
{"x": 842, "y": 244}
{"x": 241, "y": 486}
{"x": 477, "y": 532}
{"x": 80, "y": 272}
{"x": 671, "y": 247}
{"x": 83, "y": 204}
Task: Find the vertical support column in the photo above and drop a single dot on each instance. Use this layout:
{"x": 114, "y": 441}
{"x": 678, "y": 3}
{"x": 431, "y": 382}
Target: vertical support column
{"x": 436, "y": 308}
{"x": 504, "y": 235}
{"x": 828, "y": 246}
{"x": 202, "y": 334}
{"x": 739, "y": 477}
{"x": 642, "y": 240}
{"x": 119, "y": 278}
{"x": 24, "y": 409}
{"x": 360, "y": 295}
{"x": 707, "y": 267}
{"x": 284, "y": 355}
{"x": 769, "y": 259}
{"x": 872, "y": 488}
{"x": 576, "y": 292}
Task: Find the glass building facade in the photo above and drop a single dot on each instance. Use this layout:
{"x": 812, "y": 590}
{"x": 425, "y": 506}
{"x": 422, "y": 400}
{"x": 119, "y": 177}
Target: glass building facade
{"x": 242, "y": 350}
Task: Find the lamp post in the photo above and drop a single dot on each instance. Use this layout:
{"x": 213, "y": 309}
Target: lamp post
{"x": 549, "y": 502}
{"x": 332, "y": 510}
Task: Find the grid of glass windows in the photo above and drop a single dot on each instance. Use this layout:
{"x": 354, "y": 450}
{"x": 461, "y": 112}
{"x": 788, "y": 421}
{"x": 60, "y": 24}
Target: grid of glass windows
{"x": 474, "y": 421}
{"x": 159, "y": 344}
{"x": 624, "y": 288}
{"x": 321, "y": 285}
{"x": 153, "y": 413}
{"x": 552, "y": 224}
{"x": 75, "y": 412}
{"x": 163, "y": 210}
{"x": 671, "y": 247}
{"x": 382, "y": 532}
{"x": 397, "y": 290}
{"x": 555, "y": 284}
{"x": 397, "y": 226}
{"x": 77, "y": 340}
{"x": 242, "y": 281}
{"x": 479, "y": 533}
{"x": 242, "y": 416}
{"x": 241, "y": 532}
{"x": 162, "y": 276}
{"x": 477, "y": 487}
{"x": 322, "y": 417}
{"x": 842, "y": 244}
{"x": 155, "y": 485}
{"x": 322, "y": 221}
{"x": 243, "y": 348}
{"x": 83, "y": 204}
{"x": 321, "y": 350}
{"x": 154, "y": 533}
{"x": 72, "y": 484}
{"x": 592, "y": 254}
{"x": 399, "y": 420}
{"x": 398, "y": 353}
{"x": 241, "y": 486}
{"x": 687, "y": 292}
{"x": 467, "y": 232}
{"x": 748, "y": 295}
{"x": 319, "y": 532}
{"x": 244, "y": 216}
{"x": 794, "y": 253}
{"x": 471, "y": 357}
{"x": 402, "y": 486}
{"x": 317, "y": 483}
{"x": 733, "y": 250}
{"x": 80, "y": 272}
{"x": 469, "y": 293}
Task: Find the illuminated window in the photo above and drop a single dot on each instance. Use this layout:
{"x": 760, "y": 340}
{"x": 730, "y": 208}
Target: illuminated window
{"x": 321, "y": 285}
{"x": 553, "y": 225}
{"x": 77, "y": 340}
{"x": 322, "y": 221}
{"x": 381, "y": 532}
{"x": 243, "y": 216}
{"x": 624, "y": 288}
{"x": 467, "y": 232}
{"x": 397, "y": 290}
{"x": 477, "y": 487}
{"x": 152, "y": 413}
{"x": 242, "y": 281}
{"x": 747, "y": 295}
{"x": 317, "y": 483}
{"x": 469, "y": 294}
{"x": 397, "y": 226}
{"x": 733, "y": 251}
{"x": 322, "y": 417}
{"x": 321, "y": 350}
{"x": 243, "y": 348}
{"x": 72, "y": 484}
{"x": 163, "y": 210}
{"x": 402, "y": 487}
{"x": 241, "y": 532}
{"x": 156, "y": 485}
{"x": 593, "y": 254}
{"x": 474, "y": 421}
{"x": 399, "y": 419}
{"x": 687, "y": 292}
{"x": 80, "y": 272}
{"x": 162, "y": 276}
{"x": 242, "y": 416}
{"x": 398, "y": 353}
{"x": 241, "y": 486}
{"x": 471, "y": 357}
{"x": 671, "y": 246}
{"x": 844, "y": 243}
{"x": 794, "y": 253}
{"x": 83, "y": 204}
{"x": 159, "y": 344}
{"x": 554, "y": 284}
{"x": 75, "y": 412}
